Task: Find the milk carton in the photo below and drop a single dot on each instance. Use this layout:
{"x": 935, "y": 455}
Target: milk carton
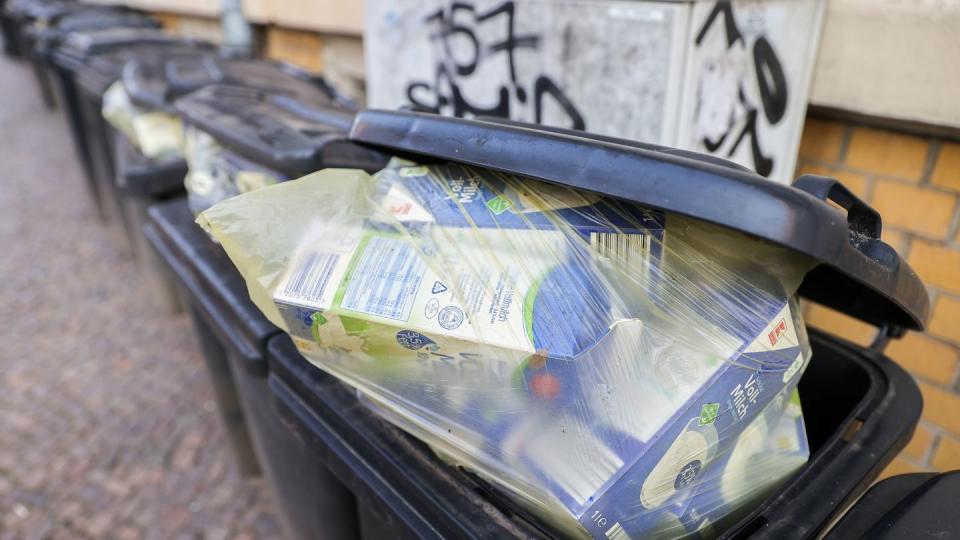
{"x": 761, "y": 457}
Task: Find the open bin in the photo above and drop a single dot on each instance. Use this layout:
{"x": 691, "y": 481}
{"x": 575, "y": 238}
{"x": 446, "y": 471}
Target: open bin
{"x": 143, "y": 182}
{"x": 233, "y": 336}
{"x": 57, "y": 20}
{"x": 240, "y": 138}
{"x": 284, "y": 129}
{"x": 206, "y": 284}
{"x": 86, "y": 63}
{"x": 863, "y": 408}
{"x": 153, "y": 82}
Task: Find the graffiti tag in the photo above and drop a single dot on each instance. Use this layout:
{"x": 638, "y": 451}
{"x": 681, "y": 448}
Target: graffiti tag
{"x": 725, "y": 101}
{"x": 460, "y": 26}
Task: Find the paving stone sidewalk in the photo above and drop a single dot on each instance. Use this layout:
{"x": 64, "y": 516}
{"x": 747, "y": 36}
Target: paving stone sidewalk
{"x": 108, "y": 428}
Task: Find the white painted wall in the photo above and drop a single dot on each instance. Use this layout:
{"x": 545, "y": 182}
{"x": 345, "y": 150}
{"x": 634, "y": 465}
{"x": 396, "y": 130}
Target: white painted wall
{"x": 891, "y": 58}
{"x": 200, "y": 8}
{"x": 730, "y": 80}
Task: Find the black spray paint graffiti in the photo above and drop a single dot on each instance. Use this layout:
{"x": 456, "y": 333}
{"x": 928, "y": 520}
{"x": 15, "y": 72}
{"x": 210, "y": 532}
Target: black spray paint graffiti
{"x": 461, "y": 23}
{"x": 771, "y": 85}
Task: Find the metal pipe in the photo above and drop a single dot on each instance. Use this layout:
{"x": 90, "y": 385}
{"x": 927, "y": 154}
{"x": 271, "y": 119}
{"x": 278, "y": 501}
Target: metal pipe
{"x": 237, "y": 36}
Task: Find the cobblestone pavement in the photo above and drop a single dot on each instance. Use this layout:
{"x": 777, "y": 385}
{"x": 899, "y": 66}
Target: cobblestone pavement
{"x": 108, "y": 428}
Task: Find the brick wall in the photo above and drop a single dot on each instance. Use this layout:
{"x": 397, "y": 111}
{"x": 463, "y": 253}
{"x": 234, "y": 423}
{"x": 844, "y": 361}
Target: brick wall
{"x": 914, "y": 182}
{"x": 192, "y": 26}
{"x": 298, "y": 47}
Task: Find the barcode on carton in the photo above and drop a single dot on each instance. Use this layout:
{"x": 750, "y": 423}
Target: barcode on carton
{"x": 616, "y": 532}
{"x": 307, "y": 283}
{"x": 622, "y": 248}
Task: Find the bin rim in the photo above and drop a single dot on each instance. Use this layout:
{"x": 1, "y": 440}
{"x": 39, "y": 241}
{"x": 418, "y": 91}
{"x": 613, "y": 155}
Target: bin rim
{"x": 141, "y": 176}
{"x": 100, "y": 16}
{"x": 899, "y": 506}
{"x": 856, "y": 272}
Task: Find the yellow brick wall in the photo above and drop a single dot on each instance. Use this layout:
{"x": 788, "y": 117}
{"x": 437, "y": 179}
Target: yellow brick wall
{"x": 298, "y": 47}
{"x": 338, "y": 58}
{"x": 191, "y": 26}
{"x": 914, "y": 182}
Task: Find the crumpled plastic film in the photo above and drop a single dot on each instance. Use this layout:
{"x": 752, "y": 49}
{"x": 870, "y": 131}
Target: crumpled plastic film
{"x": 619, "y": 371}
{"x": 215, "y": 174}
{"x": 156, "y": 134}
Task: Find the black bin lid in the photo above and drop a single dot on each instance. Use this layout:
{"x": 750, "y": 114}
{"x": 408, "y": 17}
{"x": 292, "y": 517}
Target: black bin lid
{"x": 155, "y": 81}
{"x": 96, "y": 18}
{"x": 857, "y": 273}
{"x": 27, "y": 10}
{"x": 55, "y": 22}
{"x": 34, "y": 11}
{"x": 291, "y": 128}
{"x": 97, "y": 58}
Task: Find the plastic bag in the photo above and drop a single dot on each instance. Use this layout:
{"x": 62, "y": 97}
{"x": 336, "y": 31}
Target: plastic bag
{"x": 215, "y": 174}
{"x": 156, "y": 134}
{"x": 598, "y": 361}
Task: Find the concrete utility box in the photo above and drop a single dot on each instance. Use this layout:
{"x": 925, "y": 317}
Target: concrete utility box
{"x": 726, "y": 78}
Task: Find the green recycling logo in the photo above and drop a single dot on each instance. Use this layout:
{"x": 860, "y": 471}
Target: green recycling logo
{"x": 499, "y": 204}
{"x": 708, "y": 413}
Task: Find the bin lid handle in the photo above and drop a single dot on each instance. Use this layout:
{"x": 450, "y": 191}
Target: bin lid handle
{"x": 861, "y": 217}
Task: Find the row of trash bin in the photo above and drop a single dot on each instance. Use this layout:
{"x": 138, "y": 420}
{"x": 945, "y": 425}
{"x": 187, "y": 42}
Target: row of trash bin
{"x": 166, "y": 127}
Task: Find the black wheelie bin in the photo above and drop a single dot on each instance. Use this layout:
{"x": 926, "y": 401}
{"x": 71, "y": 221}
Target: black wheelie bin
{"x": 152, "y": 82}
{"x": 279, "y": 131}
{"x": 86, "y": 63}
{"x": 51, "y": 25}
{"x": 10, "y": 26}
{"x": 233, "y": 337}
{"x": 25, "y": 19}
{"x": 17, "y": 15}
{"x": 240, "y": 138}
{"x": 860, "y": 408}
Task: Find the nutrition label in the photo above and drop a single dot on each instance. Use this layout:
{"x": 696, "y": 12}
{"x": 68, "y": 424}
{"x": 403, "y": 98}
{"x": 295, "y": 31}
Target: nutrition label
{"x": 387, "y": 276}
